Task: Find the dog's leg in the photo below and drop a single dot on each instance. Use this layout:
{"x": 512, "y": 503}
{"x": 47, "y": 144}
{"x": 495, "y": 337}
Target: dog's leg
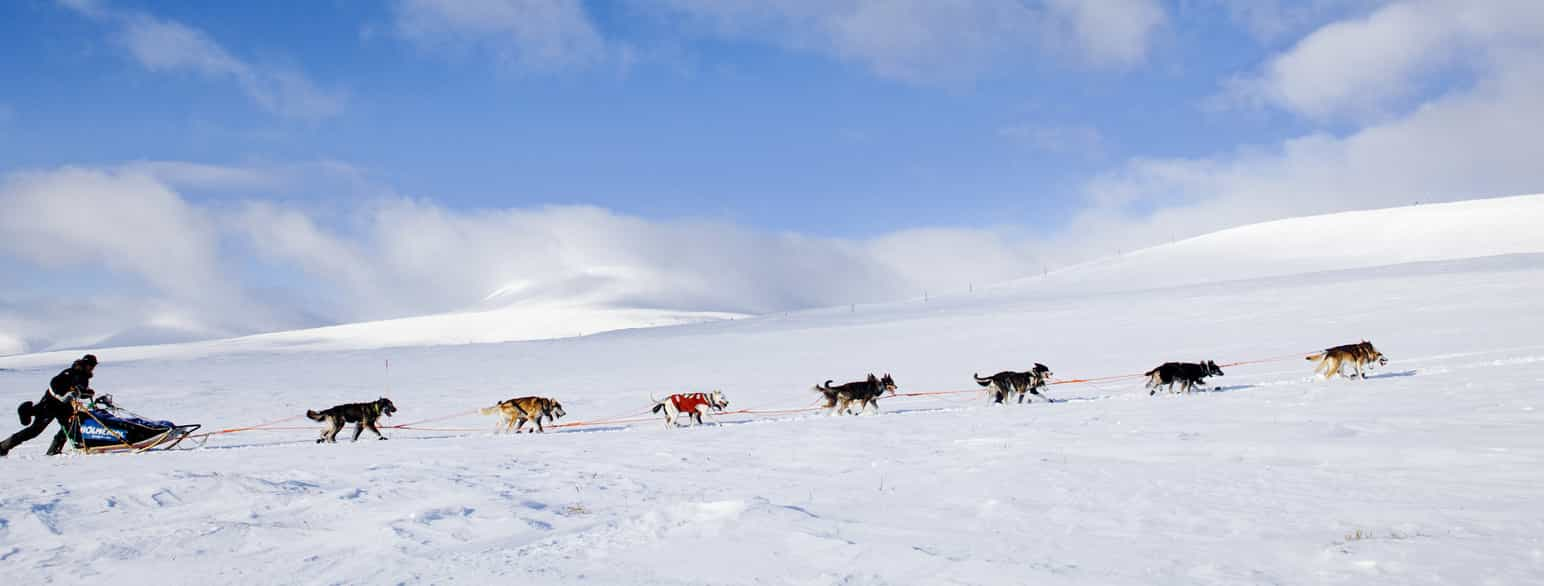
{"x": 371, "y": 426}
{"x": 358, "y": 429}
{"x": 520, "y": 423}
{"x": 1037, "y": 394}
{"x": 539, "y": 428}
{"x": 334, "y": 425}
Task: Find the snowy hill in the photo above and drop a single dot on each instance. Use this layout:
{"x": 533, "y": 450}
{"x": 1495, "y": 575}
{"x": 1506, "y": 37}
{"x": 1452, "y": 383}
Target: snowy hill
{"x": 1346, "y": 240}
{"x": 517, "y": 322}
{"x": 1427, "y": 472}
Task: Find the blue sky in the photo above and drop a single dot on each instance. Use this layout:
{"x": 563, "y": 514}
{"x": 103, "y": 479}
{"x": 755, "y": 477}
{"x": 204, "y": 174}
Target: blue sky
{"x": 731, "y": 129}
{"x": 912, "y": 142}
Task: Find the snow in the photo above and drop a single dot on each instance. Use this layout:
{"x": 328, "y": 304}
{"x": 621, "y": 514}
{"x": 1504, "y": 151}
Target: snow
{"x": 530, "y": 320}
{"x": 1347, "y": 240}
{"x": 1427, "y": 472}
{"x": 11, "y": 345}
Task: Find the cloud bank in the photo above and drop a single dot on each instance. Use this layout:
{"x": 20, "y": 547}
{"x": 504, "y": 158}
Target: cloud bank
{"x": 155, "y": 261}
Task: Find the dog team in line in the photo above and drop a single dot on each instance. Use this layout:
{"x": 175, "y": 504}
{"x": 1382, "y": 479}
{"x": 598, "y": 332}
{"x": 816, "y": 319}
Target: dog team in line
{"x": 515, "y": 413}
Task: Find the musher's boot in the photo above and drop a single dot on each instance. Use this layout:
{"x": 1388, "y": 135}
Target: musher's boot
{"x": 57, "y": 446}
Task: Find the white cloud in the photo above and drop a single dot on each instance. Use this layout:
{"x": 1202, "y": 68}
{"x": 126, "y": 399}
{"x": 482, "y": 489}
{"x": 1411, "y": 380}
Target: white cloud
{"x": 166, "y": 46}
{"x": 120, "y": 227}
{"x": 125, "y": 222}
{"x": 1362, "y": 67}
{"x": 170, "y": 266}
{"x": 540, "y": 35}
{"x": 1110, "y": 32}
{"x": 1467, "y": 143}
{"x": 928, "y": 41}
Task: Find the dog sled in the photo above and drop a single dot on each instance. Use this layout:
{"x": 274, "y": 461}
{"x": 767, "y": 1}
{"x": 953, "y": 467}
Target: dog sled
{"x": 102, "y": 427}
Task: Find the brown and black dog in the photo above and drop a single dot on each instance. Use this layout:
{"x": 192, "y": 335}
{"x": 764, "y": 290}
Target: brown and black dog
{"x": 865, "y": 392}
{"x": 364, "y": 415}
{"x": 515, "y": 412}
{"x": 1331, "y": 361}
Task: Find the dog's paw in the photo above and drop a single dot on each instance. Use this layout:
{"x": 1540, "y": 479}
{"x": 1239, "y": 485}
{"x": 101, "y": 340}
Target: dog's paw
{"x": 382, "y": 438}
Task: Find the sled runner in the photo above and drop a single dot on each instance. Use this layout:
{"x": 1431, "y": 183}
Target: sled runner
{"x": 102, "y": 427}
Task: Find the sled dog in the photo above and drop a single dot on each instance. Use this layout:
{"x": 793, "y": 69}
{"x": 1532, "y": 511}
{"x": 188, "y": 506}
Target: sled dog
{"x": 365, "y": 415}
{"x": 693, "y": 405}
{"x": 865, "y": 392}
{"x": 1332, "y": 361}
{"x": 1008, "y": 383}
{"x": 1187, "y": 374}
{"x": 515, "y": 412}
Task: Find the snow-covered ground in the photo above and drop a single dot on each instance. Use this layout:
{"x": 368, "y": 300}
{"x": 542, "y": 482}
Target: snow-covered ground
{"x": 1428, "y": 472}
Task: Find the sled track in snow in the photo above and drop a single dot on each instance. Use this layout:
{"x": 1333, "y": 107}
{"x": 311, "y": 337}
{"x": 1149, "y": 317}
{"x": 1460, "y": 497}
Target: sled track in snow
{"x": 963, "y": 401}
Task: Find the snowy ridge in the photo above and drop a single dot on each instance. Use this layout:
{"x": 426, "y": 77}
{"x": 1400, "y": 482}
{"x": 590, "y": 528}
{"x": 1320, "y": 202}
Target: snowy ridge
{"x": 531, "y": 320}
{"x": 1345, "y": 240}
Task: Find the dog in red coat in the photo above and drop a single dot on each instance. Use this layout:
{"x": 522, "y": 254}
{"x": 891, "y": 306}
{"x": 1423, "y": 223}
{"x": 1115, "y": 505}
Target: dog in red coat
{"x": 693, "y": 405}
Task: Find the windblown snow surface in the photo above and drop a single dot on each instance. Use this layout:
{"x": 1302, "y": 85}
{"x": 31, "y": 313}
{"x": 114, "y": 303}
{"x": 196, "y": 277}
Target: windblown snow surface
{"x": 1428, "y": 472}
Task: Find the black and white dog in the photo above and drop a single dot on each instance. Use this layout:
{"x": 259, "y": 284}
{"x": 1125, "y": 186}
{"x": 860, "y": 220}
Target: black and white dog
{"x": 1187, "y": 374}
{"x": 1008, "y": 382}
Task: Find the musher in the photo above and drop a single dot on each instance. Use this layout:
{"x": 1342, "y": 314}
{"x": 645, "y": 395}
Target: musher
{"x": 71, "y": 384}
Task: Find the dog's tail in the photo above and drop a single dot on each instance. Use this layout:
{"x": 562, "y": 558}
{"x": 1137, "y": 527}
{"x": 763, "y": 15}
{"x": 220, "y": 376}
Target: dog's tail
{"x": 314, "y": 416}
{"x": 488, "y": 410}
{"x": 24, "y": 413}
{"x": 1318, "y": 356}
{"x": 985, "y": 382}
